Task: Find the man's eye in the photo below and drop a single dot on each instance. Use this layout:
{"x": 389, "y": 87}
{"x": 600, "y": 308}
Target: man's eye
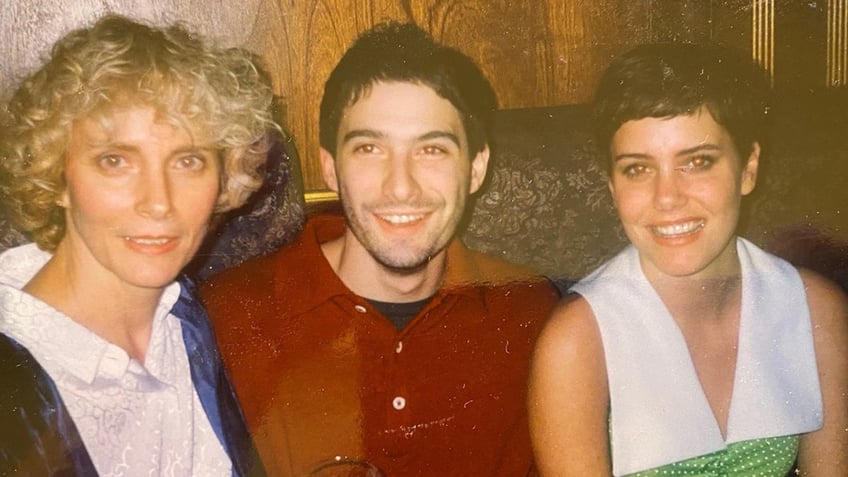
{"x": 433, "y": 150}
{"x": 365, "y": 149}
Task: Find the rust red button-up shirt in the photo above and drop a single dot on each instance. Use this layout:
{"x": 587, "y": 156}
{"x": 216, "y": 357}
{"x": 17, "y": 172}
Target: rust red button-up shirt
{"x": 320, "y": 373}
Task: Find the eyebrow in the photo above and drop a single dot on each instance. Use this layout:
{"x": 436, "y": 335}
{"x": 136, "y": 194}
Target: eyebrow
{"x": 705, "y": 147}
{"x": 129, "y": 147}
{"x": 370, "y": 133}
{"x": 440, "y": 135}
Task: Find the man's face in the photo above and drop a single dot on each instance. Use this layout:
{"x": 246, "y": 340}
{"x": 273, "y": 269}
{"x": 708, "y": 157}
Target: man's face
{"x": 403, "y": 172}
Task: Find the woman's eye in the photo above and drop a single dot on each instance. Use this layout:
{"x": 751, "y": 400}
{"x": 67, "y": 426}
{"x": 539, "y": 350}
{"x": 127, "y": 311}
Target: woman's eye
{"x": 111, "y": 161}
{"x": 191, "y": 162}
{"x": 634, "y": 170}
{"x": 699, "y": 163}
{"x": 702, "y": 162}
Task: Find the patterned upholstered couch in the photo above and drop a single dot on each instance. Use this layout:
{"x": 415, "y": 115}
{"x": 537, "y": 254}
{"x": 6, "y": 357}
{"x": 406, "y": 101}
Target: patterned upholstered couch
{"x": 545, "y": 202}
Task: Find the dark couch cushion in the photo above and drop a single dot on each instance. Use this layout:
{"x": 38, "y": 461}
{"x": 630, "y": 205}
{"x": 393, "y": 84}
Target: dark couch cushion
{"x": 545, "y": 202}
{"x": 272, "y": 217}
{"x": 803, "y": 169}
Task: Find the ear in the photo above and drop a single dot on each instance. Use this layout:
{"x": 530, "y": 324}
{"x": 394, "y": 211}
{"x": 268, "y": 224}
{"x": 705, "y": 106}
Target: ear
{"x": 328, "y": 170}
{"x": 611, "y": 187}
{"x": 64, "y": 199}
{"x": 479, "y": 166}
{"x": 749, "y": 172}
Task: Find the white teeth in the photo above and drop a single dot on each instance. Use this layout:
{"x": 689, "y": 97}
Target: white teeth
{"x": 146, "y": 241}
{"x": 678, "y": 229}
{"x": 401, "y": 219}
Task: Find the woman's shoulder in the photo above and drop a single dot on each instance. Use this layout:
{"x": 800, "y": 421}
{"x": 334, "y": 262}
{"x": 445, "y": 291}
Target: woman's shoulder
{"x": 826, "y": 299}
{"x": 826, "y": 450}
{"x": 828, "y": 307}
{"x": 571, "y": 327}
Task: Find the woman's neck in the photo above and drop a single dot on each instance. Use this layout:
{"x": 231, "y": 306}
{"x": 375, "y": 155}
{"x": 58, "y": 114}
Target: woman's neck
{"x": 705, "y": 298}
{"x": 118, "y": 313}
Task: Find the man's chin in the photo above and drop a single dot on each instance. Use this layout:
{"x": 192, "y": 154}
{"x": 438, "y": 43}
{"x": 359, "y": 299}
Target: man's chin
{"x": 404, "y": 265}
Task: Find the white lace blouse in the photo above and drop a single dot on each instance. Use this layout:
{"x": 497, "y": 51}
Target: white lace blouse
{"x": 134, "y": 418}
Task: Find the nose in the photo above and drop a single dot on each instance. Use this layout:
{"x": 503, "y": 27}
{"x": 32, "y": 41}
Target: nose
{"x": 400, "y": 182}
{"x": 154, "y": 194}
{"x": 668, "y": 191}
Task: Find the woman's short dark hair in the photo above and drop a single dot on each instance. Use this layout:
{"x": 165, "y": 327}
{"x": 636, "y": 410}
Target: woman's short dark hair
{"x": 667, "y": 80}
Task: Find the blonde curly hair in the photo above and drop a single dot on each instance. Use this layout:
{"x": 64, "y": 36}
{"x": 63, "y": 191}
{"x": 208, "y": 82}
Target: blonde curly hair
{"x": 217, "y": 94}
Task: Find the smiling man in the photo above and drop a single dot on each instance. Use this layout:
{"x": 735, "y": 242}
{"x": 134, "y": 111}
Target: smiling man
{"x": 377, "y": 340}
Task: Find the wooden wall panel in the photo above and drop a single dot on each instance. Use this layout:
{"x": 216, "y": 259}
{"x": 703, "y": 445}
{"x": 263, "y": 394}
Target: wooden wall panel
{"x": 539, "y": 53}
{"x": 503, "y": 36}
{"x": 800, "y": 44}
{"x": 300, "y": 42}
{"x": 535, "y": 53}
{"x": 731, "y": 23}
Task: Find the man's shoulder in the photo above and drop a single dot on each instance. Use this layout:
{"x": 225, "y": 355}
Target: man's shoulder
{"x": 490, "y": 270}
{"x": 248, "y": 275}
{"x": 289, "y": 260}
{"x": 254, "y": 279}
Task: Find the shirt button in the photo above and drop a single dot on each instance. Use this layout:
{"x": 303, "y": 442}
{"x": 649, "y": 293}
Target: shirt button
{"x": 399, "y": 347}
{"x": 399, "y": 403}
{"x": 359, "y": 308}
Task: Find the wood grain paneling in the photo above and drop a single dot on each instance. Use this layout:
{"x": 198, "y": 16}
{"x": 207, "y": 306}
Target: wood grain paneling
{"x": 535, "y": 53}
{"x": 837, "y": 42}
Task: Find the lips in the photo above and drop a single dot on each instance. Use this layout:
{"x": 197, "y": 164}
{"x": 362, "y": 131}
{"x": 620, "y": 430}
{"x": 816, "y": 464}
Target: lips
{"x": 678, "y": 229}
{"x": 153, "y": 245}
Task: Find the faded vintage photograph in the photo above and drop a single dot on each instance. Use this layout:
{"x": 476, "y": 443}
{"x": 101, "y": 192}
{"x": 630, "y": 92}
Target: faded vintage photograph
{"x": 424, "y": 238}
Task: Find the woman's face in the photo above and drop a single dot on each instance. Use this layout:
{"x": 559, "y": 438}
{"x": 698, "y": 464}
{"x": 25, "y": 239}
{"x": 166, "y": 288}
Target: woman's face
{"x": 677, "y": 184}
{"x": 138, "y": 199}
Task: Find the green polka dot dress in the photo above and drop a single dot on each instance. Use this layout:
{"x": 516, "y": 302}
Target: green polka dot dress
{"x": 772, "y": 457}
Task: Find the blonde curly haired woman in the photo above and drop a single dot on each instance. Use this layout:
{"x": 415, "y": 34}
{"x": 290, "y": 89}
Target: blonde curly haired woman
{"x": 115, "y": 155}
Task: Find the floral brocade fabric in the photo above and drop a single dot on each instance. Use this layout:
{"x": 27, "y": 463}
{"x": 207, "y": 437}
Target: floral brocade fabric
{"x": 545, "y": 202}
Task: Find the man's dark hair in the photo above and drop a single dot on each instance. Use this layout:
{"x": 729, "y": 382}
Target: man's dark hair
{"x": 667, "y": 80}
{"x": 405, "y": 53}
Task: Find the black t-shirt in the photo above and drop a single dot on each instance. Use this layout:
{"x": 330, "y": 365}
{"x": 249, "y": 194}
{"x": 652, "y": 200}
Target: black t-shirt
{"x": 400, "y": 314}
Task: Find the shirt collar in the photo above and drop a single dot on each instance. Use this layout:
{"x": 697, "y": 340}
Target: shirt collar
{"x": 302, "y": 266}
{"x": 73, "y": 348}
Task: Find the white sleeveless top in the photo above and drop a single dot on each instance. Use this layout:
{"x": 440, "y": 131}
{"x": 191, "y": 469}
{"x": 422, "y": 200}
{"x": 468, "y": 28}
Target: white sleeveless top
{"x": 659, "y": 412}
